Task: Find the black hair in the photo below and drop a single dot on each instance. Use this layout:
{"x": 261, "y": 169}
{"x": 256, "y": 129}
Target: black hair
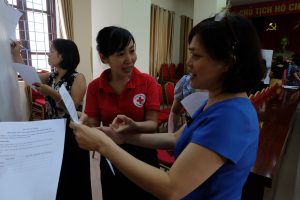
{"x": 233, "y": 40}
{"x": 113, "y": 39}
{"x": 69, "y": 51}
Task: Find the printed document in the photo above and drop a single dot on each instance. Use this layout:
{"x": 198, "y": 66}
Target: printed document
{"x": 69, "y": 103}
{"x": 30, "y": 159}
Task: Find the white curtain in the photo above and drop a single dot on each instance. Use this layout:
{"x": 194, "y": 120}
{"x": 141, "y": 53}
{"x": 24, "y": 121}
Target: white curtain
{"x": 65, "y": 19}
{"x": 161, "y": 37}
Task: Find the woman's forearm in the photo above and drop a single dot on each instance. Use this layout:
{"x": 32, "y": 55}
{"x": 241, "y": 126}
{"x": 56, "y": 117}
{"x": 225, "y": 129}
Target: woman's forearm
{"x": 153, "y": 141}
{"x": 148, "y": 126}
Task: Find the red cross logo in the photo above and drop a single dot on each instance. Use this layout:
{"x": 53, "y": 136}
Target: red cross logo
{"x": 139, "y": 100}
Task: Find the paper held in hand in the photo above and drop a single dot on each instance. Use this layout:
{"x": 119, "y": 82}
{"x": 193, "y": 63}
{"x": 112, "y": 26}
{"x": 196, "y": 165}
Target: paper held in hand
{"x": 28, "y": 74}
{"x": 68, "y": 101}
{"x": 192, "y": 102}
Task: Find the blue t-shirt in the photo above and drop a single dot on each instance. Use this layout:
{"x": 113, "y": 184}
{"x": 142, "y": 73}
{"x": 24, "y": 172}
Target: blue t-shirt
{"x": 229, "y": 128}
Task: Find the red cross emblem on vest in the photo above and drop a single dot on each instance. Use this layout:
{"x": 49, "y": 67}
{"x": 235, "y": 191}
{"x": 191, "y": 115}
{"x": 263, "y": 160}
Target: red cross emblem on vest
{"x": 139, "y": 100}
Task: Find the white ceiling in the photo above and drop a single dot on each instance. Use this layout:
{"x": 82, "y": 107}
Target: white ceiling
{"x": 246, "y": 2}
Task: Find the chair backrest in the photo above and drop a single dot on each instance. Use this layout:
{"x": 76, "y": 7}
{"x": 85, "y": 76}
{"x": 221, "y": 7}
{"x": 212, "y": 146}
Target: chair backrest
{"x": 169, "y": 91}
{"x": 160, "y": 93}
{"x": 180, "y": 70}
{"x": 258, "y": 95}
{"x": 164, "y": 72}
{"x": 251, "y": 97}
{"x": 172, "y": 71}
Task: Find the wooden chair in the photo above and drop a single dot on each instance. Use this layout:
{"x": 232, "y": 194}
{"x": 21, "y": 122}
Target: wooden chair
{"x": 251, "y": 97}
{"x": 169, "y": 91}
{"x": 38, "y": 110}
{"x": 172, "y": 73}
{"x": 164, "y": 73}
{"x": 38, "y": 106}
{"x": 180, "y": 70}
{"x": 163, "y": 113}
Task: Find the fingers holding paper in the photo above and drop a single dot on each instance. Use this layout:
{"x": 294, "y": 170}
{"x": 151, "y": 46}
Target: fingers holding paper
{"x": 43, "y": 89}
{"x": 122, "y": 124}
{"x": 90, "y": 138}
{"x": 116, "y": 137}
{"x": 16, "y": 47}
{"x": 83, "y": 118}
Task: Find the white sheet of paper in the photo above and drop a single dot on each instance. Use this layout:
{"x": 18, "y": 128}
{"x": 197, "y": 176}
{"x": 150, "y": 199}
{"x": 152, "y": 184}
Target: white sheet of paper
{"x": 10, "y": 108}
{"x": 192, "y": 102}
{"x": 28, "y": 74}
{"x": 68, "y": 101}
{"x": 30, "y": 159}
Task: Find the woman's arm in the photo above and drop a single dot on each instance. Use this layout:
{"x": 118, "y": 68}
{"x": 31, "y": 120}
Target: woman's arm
{"x": 194, "y": 165}
{"x": 174, "y": 116}
{"x": 150, "y": 123}
{"x": 124, "y": 124}
{"x": 93, "y": 122}
{"x": 16, "y": 47}
{"x": 78, "y": 89}
{"x": 153, "y": 141}
{"x": 46, "y": 90}
{"x": 44, "y": 77}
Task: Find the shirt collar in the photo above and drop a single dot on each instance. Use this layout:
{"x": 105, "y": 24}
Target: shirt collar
{"x": 104, "y": 83}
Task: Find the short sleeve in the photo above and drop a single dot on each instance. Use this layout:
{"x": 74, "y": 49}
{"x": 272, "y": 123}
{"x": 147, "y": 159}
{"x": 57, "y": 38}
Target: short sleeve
{"x": 178, "y": 90}
{"x": 91, "y": 106}
{"x": 228, "y": 133}
{"x": 152, "y": 98}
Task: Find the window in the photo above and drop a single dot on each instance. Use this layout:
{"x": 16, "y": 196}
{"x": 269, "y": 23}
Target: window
{"x": 36, "y": 28}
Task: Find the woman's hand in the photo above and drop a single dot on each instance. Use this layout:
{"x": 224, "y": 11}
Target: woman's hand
{"x": 116, "y": 137}
{"x": 90, "y": 138}
{"x": 122, "y": 124}
{"x": 16, "y": 47}
{"x": 83, "y": 118}
{"x": 43, "y": 89}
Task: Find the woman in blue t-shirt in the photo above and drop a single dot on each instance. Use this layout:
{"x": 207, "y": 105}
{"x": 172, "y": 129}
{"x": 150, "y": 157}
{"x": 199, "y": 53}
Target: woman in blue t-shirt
{"x": 216, "y": 150}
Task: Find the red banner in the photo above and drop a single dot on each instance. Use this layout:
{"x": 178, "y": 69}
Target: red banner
{"x": 268, "y": 9}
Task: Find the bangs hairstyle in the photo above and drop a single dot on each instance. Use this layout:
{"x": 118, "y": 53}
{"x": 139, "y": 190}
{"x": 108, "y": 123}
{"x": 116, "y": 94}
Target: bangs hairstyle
{"x": 234, "y": 41}
{"x": 113, "y": 39}
{"x": 69, "y": 52}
